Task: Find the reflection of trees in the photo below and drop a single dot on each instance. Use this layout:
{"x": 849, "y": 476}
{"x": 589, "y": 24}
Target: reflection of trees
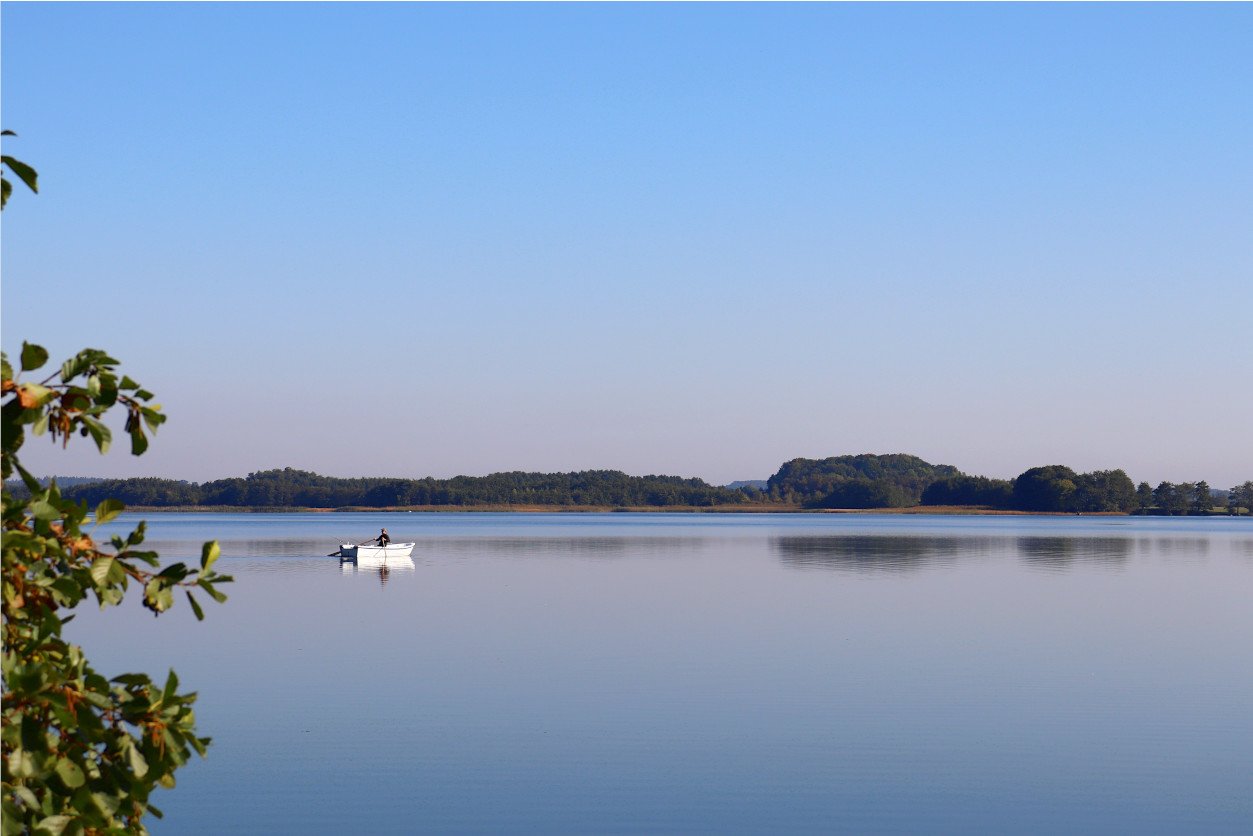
{"x": 896, "y": 553}
{"x": 586, "y": 547}
{"x": 1060, "y": 552}
{"x": 256, "y": 547}
{"x": 885, "y": 553}
{"x": 1186, "y": 546}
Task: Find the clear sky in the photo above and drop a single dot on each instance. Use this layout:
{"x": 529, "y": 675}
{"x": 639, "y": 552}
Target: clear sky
{"x": 698, "y": 239}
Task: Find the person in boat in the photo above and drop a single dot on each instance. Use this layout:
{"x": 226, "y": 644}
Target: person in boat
{"x": 384, "y": 538}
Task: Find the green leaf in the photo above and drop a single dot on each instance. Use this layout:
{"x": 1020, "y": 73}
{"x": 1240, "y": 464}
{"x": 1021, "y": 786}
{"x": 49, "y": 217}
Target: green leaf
{"x": 108, "y": 510}
{"x": 99, "y": 433}
{"x": 28, "y": 797}
{"x": 139, "y": 443}
{"x": 195, "y": 606}
{"x": 53, "y": 825}
{"x": 106, "y": 803}
{"x": 136, "y": 760}
{"x": 32, "y": 484}
{"x": 74, "y": 366}
{"x": 100, "y": 569}
{"x": 173, "y": 573}
{"x": 24, "y": 172}
{"x": 153, "y": 417}
{"x": 108, "y": 392}
{"x": 209, "y": 554}
{"x": 171, "y": 688}
{"x": 137, "y": 680}
{"x": 209, "y": 589}
{"x": 33, "y": 356}
{"x": 22, "y": 764}
{"x": 71, "y": 773}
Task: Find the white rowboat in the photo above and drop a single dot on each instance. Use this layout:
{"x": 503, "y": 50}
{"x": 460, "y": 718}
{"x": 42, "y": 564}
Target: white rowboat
{"x": 392, "y": 551}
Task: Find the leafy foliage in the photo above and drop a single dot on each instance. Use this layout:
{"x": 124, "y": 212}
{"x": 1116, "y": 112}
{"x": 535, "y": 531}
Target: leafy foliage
{"x": 289, "y": 488}
{"x": 82, "y": 753}
{"x": 1105, "y": 490}
{"x": 1058, "y": 488}
{"x": 970, "y": 490}
{"x": 23, "y": 172}
{"x": 1240, "y": 499}
{"x": 1197, "y": 498}
{"x": 898, "y": 479}
{"x": 864, "y": 493}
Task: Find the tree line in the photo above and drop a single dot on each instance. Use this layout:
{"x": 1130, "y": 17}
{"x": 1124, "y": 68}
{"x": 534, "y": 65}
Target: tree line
{"x": 900, "y": 480}
{"x": 290, "y": 488}
{"x": 895, "y": 480}
{"x": 840, "y": 482}
{"x": 1058, "y": 488}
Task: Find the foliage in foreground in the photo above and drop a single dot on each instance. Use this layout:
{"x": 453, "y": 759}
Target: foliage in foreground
{"x": 20, "y": 169}
{"x": 81, "y": 753}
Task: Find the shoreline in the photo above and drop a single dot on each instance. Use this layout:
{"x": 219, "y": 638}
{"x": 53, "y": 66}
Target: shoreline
{"x": 935, "y": 510}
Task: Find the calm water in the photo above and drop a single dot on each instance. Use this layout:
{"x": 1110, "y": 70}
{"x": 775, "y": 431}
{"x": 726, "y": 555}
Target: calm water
{"x": 711, "y": 673}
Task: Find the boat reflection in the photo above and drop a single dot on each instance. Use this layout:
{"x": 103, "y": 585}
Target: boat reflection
{"x": 383, "y": 568}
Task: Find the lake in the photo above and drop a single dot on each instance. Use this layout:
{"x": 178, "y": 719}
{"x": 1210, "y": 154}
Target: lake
{"x": 738, "y": 673}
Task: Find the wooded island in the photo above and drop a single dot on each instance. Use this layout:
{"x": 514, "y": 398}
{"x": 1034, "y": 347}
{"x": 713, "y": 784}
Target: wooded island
{"x": 860, "y": 482}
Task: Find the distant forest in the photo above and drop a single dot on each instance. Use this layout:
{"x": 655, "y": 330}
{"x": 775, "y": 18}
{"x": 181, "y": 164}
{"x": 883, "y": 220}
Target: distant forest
{"x": 840, "y": 482}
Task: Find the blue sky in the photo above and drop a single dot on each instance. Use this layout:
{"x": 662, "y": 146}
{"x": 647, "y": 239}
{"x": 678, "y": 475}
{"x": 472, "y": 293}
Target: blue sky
{"x": 693, "y": 239}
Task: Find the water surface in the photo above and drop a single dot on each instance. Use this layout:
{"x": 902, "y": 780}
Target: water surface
{"x": 576, "y": 673}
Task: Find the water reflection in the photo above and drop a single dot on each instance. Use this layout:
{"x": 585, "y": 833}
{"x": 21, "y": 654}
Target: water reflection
{"x": 253, "y": 547}
{"x": 888, "y": 553}
{"x": 1185, "y": 546}
{"x": 382, "y": 569}
{"x": 881, "y": 553}
{"x": 1057, "y": 553}
{"x": 583, "y": 546}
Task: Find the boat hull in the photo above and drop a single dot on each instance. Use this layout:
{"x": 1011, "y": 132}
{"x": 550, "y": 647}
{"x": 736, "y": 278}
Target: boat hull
{"x": 376, "y": 554}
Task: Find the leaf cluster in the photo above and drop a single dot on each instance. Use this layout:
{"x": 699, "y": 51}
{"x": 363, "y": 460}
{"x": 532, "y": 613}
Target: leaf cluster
{"x": 81, "y": 752}
{"x": 20, "y": 169}
{"x": 72, "y": 400}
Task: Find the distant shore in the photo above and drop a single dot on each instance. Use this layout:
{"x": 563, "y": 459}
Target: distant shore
{"x": 758, "y": 508}
{"x": 893, "y": 483}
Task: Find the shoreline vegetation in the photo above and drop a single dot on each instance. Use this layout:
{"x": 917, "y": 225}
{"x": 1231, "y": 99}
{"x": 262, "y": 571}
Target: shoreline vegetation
{"x": 893, "y": 483}
{"x": 756, "y": 508}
